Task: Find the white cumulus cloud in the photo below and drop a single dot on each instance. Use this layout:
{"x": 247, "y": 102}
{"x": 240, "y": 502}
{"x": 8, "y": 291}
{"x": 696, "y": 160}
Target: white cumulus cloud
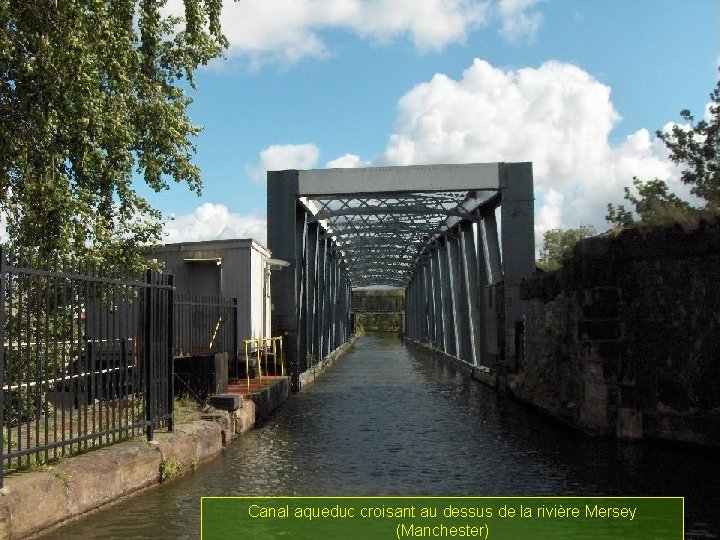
{"x": 279, "y": 157}
{"x": 557, "y": 116}
{"x": 214, "y": 222}
{"x": 292, "y": 29}
{"x": 288, "y": 30}
{"x": 518, "y": 20}
{"x": 346, "y": 161}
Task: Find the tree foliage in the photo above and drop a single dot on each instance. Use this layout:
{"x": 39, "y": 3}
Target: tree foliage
{"x": 558, "y": 243}
{"x": 653, "y": 205}
{"x": 697, "y": 148}
{"x": 91, "y": 99}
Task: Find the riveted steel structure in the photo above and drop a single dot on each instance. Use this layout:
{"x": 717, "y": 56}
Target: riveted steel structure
{"x": 430, "y": 229}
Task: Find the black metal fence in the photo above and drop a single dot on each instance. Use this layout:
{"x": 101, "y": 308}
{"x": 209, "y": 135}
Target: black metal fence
{"x": 85, "y": 358}
{"x": 205, "y": 325}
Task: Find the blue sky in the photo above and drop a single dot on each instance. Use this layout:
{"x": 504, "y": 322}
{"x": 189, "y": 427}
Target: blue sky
{"x": 576, "y": 86}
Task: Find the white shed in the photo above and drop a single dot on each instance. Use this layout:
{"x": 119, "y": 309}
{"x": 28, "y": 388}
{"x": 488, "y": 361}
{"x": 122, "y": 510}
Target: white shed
{"x": 226, "y": 268}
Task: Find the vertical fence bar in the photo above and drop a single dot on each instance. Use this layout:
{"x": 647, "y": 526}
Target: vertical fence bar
{"x": 146, "y": 356}
{"x": 235, "y": 341}
{"x": 170, "y": 333}
{"x": 25, "y": 340}
{"x": 2, "y": 366}
{"x": 82, "y": 411}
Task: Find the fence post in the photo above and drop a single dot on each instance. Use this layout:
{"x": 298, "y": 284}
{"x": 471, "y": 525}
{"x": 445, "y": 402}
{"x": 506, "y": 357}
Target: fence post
{"x": 147, "y": 360}
{"x": 2, "y": 363}
{"x": 171, "y": 349}
{"x": 235, "y": 343}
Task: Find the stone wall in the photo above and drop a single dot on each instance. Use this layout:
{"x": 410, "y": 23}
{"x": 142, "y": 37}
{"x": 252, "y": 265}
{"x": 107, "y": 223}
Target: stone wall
{"x": 625, "y": 338}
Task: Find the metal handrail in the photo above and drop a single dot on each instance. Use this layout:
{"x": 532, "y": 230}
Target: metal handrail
{"x": 268, "y": 346}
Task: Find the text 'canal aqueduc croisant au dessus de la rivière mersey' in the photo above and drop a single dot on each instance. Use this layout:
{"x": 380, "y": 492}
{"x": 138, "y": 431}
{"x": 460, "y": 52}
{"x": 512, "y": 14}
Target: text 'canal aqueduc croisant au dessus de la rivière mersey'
{"x": 337, "y": 511}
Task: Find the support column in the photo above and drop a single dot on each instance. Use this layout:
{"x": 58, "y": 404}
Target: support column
{"x": 447, "y": 298}
{"x": 312, "y": 324}
{"x": 489, "y": 272}
{"x": 488, "y": 235}
{"x": 327, "y": 298}
{"x": 518, "y": 248}
{"x": 282, "y": 190}
{"x": 460, "y": 326}
{"x": 302, "y": 308}
{"x": 411, "y": 309}
{"x": 436, "y": 290}
{"x": 322, "y": 267}
{"x": 469, "y": 291}
{"x": 429, "y": 297}
{"x": 333, "y": 299}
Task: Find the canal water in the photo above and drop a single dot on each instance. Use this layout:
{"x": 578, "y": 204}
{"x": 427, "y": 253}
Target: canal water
{"x": 385, "y": 420}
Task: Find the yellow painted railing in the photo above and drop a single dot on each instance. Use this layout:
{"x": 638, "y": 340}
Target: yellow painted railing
{"x": 265, "y": 348}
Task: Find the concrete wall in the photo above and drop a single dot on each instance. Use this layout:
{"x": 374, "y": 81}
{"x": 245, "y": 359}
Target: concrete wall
{"x": 241, "y": 273}
{"x": 625, "y": 338}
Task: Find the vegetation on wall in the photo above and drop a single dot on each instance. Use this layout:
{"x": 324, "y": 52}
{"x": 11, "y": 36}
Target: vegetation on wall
{"x": 378, "y": 322}
{"x": 558, "y": 244}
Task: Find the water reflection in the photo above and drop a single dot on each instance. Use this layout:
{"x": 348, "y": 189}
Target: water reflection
{"x": 385, "y": 421}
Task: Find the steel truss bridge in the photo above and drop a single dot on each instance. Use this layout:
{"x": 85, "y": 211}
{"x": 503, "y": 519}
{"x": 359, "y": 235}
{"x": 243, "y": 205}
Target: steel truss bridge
{"x": 432, "y": 230}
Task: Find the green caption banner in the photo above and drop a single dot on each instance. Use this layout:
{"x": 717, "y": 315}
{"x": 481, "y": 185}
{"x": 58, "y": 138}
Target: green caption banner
{"x": 387, "y": 518}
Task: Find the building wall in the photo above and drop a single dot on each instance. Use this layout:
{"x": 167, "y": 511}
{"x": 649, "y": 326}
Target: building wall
{"x": 260, "y": 294}
{"x": 625, "y": 338}
{"x": 240, "y": 274}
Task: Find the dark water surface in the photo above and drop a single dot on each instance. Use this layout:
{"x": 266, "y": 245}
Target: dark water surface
{"x": 387, "y": 421}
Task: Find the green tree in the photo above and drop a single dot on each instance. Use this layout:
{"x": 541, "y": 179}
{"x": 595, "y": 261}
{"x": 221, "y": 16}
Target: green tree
{"x": 694, "y": 146}
{"x": 91, "y": 100}
{"x": 697, "y": 149}
{"x": 653, "y": 205}
{"x": 558, "y": 243}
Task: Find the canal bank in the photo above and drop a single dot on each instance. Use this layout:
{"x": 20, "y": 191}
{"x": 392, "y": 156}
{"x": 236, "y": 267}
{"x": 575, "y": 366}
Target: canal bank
{"x": 83, "y": 484}
{"x": 80, "y": 484}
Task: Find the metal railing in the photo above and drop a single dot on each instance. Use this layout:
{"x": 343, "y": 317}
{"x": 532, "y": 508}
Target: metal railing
{"x": 205, "y": 325}
{"x": 85, "y": 358}
{"x": 268, "y": 350}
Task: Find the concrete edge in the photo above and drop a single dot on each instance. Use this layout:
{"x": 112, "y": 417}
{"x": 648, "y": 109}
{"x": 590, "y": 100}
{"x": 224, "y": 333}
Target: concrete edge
{"x": 310, "y": 375}
{"x": 267, "y": 399}
{"x": 85, "y": 483}
{"x": 481, "y": 374}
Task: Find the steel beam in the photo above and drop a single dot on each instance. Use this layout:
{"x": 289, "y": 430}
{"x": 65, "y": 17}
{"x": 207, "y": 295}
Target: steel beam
{"x": 399, "y": 179}
{"x": 302, "y": 308}
{"x": 469, "y": 280}
{"x": 312, "y": 288}
{"x": 438, "y": 299}
{"x": 447, "y": 298}
{"x": 429, "y": 298}
{"x": 459, "y": 307}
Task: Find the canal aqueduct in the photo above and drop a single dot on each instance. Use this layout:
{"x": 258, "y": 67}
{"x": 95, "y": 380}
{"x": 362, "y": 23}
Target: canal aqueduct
{"x": 432, "y": 230}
